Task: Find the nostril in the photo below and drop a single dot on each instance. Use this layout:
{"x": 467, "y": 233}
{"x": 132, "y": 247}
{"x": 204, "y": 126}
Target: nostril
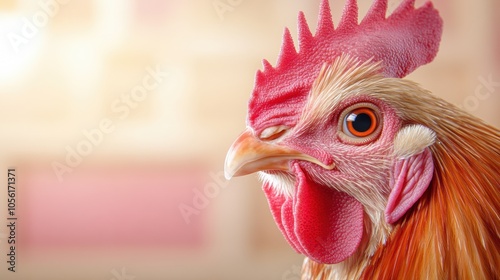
{"x": 273, "y": 133}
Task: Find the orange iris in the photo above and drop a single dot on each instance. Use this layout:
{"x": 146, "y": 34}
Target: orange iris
{"x": 362, "y": 122}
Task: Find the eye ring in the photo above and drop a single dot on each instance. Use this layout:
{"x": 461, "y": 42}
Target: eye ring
{"x": 360, "y": 124}
{"x": 363, "y": 127}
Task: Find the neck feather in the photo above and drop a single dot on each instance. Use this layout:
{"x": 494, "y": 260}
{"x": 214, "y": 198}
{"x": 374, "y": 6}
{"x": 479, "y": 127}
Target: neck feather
{"x": 454, "y": 230}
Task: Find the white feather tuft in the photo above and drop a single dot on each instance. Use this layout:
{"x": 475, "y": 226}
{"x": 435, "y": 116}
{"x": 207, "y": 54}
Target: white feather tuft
{"x": 412, "y": 140}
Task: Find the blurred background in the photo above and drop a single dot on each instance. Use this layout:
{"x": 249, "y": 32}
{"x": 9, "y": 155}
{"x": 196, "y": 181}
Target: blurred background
{"x": 117, "y": 115}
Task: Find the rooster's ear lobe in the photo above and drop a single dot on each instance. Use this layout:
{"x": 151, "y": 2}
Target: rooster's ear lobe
{"x": 410, "y": 179}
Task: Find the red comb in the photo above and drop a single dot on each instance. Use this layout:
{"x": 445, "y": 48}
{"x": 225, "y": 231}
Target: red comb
{"x": 402, "y": 42}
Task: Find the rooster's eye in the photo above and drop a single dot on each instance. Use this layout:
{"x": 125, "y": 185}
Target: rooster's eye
{"x": 360, "y": 123}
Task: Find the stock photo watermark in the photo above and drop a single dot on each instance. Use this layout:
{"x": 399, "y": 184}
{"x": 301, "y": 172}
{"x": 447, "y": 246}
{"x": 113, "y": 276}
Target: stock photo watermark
{"x": 121, "y": 106}
{"x": 121, "y": 275}
{"x": 294, "y": 273}
{"x": 222, "y": 7}
{"x": 482, "y": 92}
{"x": 48, "y": 9}
{"x": 201, "y": 199}
{"x": 11, "y": 221}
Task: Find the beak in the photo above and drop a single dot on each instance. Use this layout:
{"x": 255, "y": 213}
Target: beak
{"x": 248, "y": 154}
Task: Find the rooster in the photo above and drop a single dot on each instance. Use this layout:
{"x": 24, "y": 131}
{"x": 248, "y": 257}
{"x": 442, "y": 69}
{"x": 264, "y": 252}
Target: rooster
{"x": 368, "y": 174}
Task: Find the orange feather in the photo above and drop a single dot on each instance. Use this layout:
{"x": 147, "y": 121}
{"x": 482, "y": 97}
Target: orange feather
{"x": 454, "y": 231}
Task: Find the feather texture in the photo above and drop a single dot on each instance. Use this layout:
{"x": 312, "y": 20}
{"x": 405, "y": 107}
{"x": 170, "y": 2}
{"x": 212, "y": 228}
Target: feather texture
{"x": 446, "y": 229}
{"x": 453, "y": 232}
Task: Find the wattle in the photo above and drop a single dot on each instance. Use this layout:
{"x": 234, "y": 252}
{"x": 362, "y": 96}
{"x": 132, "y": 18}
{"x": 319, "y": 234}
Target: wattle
{"x": 324, "y": 224}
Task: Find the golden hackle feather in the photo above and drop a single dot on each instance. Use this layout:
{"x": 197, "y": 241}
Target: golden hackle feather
{"x": 453, "y": 231}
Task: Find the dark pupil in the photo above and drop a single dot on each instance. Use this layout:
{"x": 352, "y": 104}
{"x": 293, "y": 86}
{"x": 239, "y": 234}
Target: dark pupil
{"x": 362, "y": 122}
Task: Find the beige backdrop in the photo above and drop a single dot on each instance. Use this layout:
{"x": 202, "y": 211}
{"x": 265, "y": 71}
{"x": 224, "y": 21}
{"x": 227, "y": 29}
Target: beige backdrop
{"x": 166, "y": 84}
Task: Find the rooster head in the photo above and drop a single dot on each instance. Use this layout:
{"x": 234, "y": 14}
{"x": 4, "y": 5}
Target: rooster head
{"x": 328, "y": 132}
